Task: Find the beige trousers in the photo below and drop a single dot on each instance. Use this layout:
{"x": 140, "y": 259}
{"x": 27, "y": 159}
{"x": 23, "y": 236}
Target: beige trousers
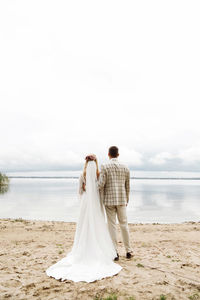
{"x": 120, "y": 212}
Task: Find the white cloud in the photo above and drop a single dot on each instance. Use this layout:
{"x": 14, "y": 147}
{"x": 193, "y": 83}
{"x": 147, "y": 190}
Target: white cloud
{"x": 36, "y": 159}
{"x": 190, "y": 155}
{"x": 161, "y": 158}
{"x": 131, "y": 157}
{"x": 79, "y": 77}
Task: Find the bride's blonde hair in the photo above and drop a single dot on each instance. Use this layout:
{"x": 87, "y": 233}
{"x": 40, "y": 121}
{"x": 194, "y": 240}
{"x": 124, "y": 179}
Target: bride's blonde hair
{"x": 90, "y": 158}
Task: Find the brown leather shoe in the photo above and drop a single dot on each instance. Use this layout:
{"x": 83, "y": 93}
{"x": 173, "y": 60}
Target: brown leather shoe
{"x": 129, "y": 255}
{"x": 117, "y": 257}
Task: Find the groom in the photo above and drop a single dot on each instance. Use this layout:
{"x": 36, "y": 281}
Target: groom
{"x": 114, "y": 182}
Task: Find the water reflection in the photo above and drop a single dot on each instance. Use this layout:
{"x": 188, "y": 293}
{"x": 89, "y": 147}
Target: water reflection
{"x": 56, "y": 199}
{"x": 164, "y": 201}
{"x": 4, "y": 189}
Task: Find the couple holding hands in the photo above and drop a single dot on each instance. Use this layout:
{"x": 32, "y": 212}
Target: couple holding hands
{"x": 95, "y": 244}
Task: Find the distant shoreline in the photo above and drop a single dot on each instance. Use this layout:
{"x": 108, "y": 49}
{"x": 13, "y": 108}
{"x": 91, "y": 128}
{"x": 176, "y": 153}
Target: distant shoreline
{"x": 76, "y": 177}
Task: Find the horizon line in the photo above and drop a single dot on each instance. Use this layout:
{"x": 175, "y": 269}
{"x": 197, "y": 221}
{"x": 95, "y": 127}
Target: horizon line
{"x": 132, "y": 177}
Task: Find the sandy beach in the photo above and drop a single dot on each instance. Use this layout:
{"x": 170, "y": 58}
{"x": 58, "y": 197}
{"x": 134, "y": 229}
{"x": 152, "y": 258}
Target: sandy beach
{"x": 165, "y": 265}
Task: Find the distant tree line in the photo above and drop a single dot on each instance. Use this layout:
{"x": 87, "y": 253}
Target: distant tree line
{"x": 4, "y": 180}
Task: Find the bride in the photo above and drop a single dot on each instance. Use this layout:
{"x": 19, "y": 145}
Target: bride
{"x": 92, "y": 254}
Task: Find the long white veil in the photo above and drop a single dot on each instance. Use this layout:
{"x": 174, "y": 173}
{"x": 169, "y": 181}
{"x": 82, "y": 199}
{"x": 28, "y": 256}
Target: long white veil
{"x": 91, "y": 179}
{"x": 92, "y": 222}
{"x": 92, "y": 191}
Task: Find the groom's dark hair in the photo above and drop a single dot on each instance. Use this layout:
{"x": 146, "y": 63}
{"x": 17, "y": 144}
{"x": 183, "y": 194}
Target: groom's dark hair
{"x": 113, "y": 151}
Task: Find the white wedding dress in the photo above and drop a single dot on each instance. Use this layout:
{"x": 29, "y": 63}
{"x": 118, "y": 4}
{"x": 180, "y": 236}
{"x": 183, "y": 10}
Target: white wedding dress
{"x": 92, "y": 254}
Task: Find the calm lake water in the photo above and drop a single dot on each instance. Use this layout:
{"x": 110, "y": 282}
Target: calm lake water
{"x": 168, "y": 199}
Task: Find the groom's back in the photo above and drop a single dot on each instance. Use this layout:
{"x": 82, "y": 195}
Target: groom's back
{"x": 117, "y": 183}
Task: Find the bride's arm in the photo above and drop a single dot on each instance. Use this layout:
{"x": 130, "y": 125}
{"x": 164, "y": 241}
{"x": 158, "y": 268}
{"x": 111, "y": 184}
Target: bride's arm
{"x": 81, "y": 184}
{"x": 98, "y": 173}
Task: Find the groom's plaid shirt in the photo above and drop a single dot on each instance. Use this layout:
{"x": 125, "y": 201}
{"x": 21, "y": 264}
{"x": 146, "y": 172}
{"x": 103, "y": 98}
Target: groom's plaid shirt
{"x": 114, "y": 183}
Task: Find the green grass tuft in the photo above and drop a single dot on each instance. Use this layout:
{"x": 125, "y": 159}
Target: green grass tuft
{"x": 19, "y": 220}
{"x": 194, "y": 297}
{"x": 163, "y": 297}
{"x": 110, "y": 297}
{"x": 140, "y": 266}
{"x": 113, "y": 297}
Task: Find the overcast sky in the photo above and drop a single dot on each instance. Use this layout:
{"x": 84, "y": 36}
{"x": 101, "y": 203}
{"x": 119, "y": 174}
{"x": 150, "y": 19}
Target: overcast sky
{"x": 79, "y": 76}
